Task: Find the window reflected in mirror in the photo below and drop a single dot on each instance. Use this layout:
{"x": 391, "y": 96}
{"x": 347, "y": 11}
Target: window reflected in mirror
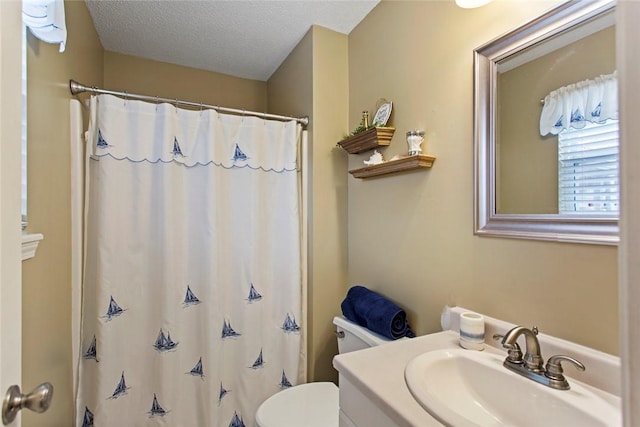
{"x": 532, "y": 175}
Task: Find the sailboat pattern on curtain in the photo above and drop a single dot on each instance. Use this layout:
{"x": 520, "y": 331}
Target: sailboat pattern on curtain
{"x": 101, "y": 142}
{"x": 290, "y": 325}
{"x": 178, "y": 156}
{"x": 259, "y": 363}
{"x": 190, "y": 298}
{"x": 254, "y": 296}
{"x": 223, "y": 393}
{"x": 236, "y": 421}
{"x": 87, "y": 418}
{"x": 228, "y": 332}
{"x": 197, "y": 370}
{"x": 284, "y": 381}
{"x": 121, "y": 388}
{"x": 156, "y": 410}
{"x": 92, "y": 351}
{"x": 176, "y": 151}
{"x": 114, "y": 310}
{"x": 164, "y": 343}
{"x": 238, "y": 154}
{"x": 189, "y": 319}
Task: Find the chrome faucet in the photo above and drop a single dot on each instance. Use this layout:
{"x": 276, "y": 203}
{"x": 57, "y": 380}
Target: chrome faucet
{"x": 531, "y": 365}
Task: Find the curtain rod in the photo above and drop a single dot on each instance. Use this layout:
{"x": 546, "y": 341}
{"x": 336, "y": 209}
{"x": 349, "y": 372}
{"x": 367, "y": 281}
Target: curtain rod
{"x": 77, "y": 88}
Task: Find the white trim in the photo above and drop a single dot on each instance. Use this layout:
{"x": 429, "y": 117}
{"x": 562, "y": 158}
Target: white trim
{"x": 628, "y": 57}
{"x": 304, "y": 197}
{"x": 30, "y": 245}
{"x": 10, "y": 230}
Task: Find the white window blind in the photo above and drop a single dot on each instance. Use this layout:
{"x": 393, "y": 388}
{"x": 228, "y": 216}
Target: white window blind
{"x": 588, "y": 172}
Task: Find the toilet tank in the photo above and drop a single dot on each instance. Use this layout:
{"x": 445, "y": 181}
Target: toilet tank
{"x": 352, "y": 337}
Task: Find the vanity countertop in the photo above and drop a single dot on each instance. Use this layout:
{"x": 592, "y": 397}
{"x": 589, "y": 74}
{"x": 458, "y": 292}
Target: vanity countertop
{"x": 379, "y": 373}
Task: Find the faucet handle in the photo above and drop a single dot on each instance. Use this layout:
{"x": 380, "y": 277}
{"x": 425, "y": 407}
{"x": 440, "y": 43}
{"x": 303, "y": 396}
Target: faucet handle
{"x": 554, "y": 368}
{"x": 514, "y": 354}
{"x": 554, "y": 371}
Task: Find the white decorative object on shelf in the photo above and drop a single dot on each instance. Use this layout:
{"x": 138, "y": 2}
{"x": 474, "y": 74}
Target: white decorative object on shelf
{"x": 375, "y": 159}
{"x": 414, "y": 139}
{"x": 382, "y": 115}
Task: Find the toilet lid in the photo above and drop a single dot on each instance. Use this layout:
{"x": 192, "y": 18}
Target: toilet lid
{"x": 309, "y": 405}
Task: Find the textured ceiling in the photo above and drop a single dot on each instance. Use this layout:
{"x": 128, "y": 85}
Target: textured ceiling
{"x": 241, "y": 38}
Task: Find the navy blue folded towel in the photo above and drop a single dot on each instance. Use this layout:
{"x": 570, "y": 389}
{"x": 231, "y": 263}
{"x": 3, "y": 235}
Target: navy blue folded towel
{"x": 376, "y": 313}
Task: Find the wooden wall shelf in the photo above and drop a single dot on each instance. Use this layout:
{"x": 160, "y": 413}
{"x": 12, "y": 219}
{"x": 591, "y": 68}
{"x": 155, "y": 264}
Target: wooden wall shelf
{"x": 368, "y": 140}
{"x": 393, "y": 166}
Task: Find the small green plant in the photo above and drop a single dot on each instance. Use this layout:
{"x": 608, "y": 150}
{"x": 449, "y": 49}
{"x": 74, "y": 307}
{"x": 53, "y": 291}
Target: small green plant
{"x": 361, "y": 128}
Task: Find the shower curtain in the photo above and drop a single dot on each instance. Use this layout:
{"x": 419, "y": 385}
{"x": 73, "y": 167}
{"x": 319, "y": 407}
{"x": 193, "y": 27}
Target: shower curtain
{"x": 192, "y": 298}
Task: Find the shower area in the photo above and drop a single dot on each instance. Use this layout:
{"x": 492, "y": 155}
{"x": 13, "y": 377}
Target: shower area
{"x": 191, "y": 290}
{"x": 184, "y": 258}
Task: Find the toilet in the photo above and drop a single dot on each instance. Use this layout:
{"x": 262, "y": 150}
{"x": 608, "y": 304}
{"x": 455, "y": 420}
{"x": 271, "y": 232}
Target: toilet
{"x": 316, "y": 404}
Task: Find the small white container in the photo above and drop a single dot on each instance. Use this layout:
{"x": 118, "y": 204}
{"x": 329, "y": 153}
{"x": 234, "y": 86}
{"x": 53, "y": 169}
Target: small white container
{"x": 472, "y": 331}
{"x": 414, "y": 139}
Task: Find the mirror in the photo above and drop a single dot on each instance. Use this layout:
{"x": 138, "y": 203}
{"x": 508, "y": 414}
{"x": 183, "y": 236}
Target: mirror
{"x": 520, "y": 146}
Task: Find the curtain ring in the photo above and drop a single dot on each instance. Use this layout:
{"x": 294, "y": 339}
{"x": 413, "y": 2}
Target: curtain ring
{"x": 95, "y": 93}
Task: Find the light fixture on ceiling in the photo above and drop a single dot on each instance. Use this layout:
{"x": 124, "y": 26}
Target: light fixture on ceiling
{"x": 470, "y": 4}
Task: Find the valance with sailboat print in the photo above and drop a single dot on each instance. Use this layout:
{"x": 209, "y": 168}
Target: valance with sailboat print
{"x": 164, "y": 133}
{"x": 594, "y": 101}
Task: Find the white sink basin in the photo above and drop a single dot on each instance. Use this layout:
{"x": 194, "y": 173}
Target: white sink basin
{"x": 464, "y": 388}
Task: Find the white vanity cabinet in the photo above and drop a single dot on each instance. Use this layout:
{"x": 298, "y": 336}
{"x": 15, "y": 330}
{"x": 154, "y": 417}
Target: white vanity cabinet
{"x": 357, "y": 410}
{"x": 373, "y": 392}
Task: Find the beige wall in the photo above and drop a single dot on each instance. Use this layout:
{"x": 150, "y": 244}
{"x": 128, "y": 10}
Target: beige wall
{"x": 328, "y": 228}
{"x": 528, "y": 162}
{"x": 46, "y": 315}
{"x": 290, "y": 88}
{"x": 148, "y": 77}
{"x": 313, "y": 81}
{"x": 411, "y": 235}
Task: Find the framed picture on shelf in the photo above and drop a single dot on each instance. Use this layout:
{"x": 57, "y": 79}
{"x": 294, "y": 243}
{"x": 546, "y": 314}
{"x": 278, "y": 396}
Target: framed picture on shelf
{"x": 382, "y": 115}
